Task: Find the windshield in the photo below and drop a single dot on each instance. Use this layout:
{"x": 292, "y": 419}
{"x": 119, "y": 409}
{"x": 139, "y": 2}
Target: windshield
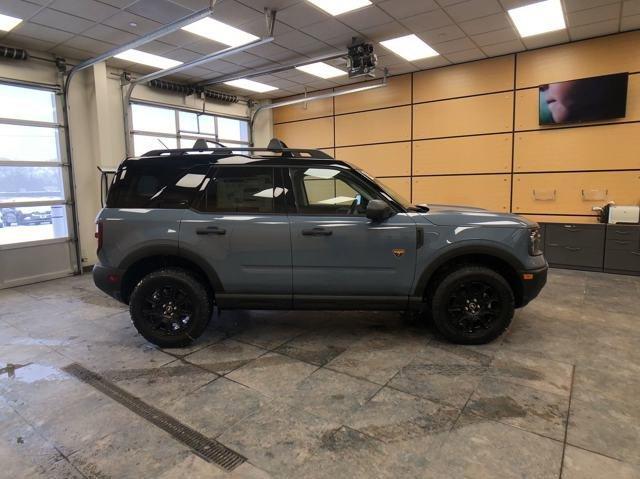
{"x": 397, "y": 197}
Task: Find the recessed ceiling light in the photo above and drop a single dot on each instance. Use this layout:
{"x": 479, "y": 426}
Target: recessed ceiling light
{"x": 133, "y": 24}
{"x": 537, "y": 18}
{"x": 410, "y": 47}
{"x": 250, "y": 85}
{"x": 220, "y": 32}
{"x": 322, "y": 70}
{"x": 148, "y": 59}
{"x": 7, "y": 22}
{"x": 336, "y": 7}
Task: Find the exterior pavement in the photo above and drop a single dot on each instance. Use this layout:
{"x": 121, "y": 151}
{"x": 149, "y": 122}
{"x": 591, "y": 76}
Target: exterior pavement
{"x": 325, "y": 394}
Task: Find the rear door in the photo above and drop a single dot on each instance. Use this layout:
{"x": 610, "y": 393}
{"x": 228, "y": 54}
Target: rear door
{"x": 338, "y": 253}
{"x": 239, "y": 226}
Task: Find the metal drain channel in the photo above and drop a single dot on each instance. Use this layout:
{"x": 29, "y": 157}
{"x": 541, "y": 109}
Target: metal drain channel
{"x": 208, "y": 449}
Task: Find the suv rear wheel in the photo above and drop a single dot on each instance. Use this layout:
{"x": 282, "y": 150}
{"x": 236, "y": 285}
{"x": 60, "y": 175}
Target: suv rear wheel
{"x": 170, "y": 308}
{"x": 472, "y": 305}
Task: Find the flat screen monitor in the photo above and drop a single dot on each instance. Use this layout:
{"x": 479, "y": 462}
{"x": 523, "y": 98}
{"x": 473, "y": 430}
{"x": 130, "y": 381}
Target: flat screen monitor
{"x": 587, "y": 99}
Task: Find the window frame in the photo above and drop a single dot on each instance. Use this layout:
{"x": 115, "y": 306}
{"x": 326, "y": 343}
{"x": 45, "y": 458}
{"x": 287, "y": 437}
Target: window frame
{"x": 62, "y": 163}
{"x": 187, "y": 135}
{"x": 280, "y": 203}
{"x": 357, "y": 180}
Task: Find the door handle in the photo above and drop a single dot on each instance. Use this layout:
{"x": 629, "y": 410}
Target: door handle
{"x": 211, "y": 230}
{"x": 317, "y": 232}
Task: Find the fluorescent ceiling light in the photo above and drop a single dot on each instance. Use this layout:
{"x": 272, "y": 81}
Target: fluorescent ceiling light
{"x": 409, "y": 47}
{"x": 148, "y": 59}
{"x": 322, "y": 70}
{"x": 538, "y": 18}
{"x": 7, "y": 22}
{"x": 336, "y": 7}
{"x": 250, "y": 85}
{"x": 220, "y": 32}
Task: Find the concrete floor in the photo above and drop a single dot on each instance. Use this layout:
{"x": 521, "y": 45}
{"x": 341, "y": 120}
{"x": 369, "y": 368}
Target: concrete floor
{"x": 334, "y": 395}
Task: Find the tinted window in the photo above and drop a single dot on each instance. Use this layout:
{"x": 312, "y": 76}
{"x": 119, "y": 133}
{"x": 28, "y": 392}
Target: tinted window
{"x": 155, "y": 186}
{"x": 329, "y": 191}
{"x": 241, "y": 190}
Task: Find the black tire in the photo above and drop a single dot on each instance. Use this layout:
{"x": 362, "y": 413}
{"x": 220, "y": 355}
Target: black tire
{"x": 168, "y": 298}
{"x": 472, "y": 305}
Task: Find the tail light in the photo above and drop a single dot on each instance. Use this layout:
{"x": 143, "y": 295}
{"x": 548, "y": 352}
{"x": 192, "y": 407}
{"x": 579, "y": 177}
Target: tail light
{"x": 99, "y": 234}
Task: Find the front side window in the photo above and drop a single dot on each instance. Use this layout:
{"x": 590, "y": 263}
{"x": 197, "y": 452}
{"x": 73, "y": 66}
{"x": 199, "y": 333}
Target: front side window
{"x": 330, "y": 191}
{"x": 244, "y": 189}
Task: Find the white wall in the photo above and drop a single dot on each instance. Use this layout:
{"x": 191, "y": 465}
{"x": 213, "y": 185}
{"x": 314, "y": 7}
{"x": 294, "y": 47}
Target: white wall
{"x": 97, "y": 127}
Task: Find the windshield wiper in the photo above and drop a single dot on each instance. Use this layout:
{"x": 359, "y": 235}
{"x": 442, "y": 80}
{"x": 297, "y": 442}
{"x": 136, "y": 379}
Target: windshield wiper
{"x": 419, "y": 208}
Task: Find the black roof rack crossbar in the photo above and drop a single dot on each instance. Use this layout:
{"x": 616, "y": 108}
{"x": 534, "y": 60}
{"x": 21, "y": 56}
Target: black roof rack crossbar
{"x": 290, "y": 152}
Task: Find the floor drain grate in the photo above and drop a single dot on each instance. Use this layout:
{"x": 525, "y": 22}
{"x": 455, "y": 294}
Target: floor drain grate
{"x": 209, "y": 449}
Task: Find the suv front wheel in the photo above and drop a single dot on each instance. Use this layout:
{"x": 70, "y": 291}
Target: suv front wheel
{"x": 170, "y": 308}
{"x": 472, "y": 305}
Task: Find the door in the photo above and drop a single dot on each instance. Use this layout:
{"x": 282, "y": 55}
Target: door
{"x": 240, "y": 228}
{"x": 338, "y": 253}
{"x": 36, "y": 234}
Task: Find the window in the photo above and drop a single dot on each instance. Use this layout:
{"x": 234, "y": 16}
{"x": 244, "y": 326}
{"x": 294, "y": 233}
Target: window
{"x": 242, "y": 190}
{"x": 32, "y": 175}
{"x": 157, "y": 128}
{"x": 147, "y": 185}
{"x": 329, "y": 191}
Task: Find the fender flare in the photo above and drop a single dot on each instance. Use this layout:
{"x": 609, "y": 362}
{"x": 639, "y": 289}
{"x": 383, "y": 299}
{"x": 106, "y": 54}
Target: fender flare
{"x": 486, "y": 248}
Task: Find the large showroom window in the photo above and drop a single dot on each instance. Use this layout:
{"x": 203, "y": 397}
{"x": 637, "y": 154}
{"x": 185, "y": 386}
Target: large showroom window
{"x": 156, "y": 128}
{"x": 32, "y": 186}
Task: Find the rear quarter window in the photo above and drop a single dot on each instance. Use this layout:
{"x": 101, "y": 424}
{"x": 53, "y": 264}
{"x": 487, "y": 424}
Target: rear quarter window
{"x": 155, "y": 186}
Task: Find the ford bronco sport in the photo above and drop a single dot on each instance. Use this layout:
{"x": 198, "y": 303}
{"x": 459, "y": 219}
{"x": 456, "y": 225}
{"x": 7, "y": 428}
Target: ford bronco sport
{"x": 282, "y": 228}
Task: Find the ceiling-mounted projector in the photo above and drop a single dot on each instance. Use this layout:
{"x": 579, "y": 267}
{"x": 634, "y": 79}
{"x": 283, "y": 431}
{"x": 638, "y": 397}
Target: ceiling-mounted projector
{"x": 361, "y": 60}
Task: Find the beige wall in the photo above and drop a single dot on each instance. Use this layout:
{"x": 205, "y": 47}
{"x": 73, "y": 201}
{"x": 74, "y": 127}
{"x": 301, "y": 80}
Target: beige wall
{"x": 97, "y": 128}
{"x": 469, "y": 133}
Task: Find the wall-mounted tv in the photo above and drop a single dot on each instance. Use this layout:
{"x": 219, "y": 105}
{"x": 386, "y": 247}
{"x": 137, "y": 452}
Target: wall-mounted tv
{"x": 587, "y": 99}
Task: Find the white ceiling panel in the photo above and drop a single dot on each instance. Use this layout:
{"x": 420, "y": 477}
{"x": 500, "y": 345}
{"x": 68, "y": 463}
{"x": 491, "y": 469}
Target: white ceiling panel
{"x": 489, "y": 23}
{"x": 454, "y": 46}
{"x": 592, "y": 30}
{"x": 301, "y": 15}
{"x": 161, "y": 11}
{"x": 386, "y": 31}
{"x": 471, "y": 9}
{"x": 427, "y": 21}
{"x": 444, "y": 34}
{"x": 109, "y": 34}
{"x": 18, "y": 9}
{"x": 96, "y": 47}
{"x": 503, "y": 48}
{"x": 594, "y": 15}
{"x": 466, "y": 55}
{"x": 61, "y": 21}
{"x": 132, "y": 23}
{"x": 89, "y": 9}
{"x": 41, "y": 32}
{"x": 552, "y": 38}
{"x": 366, "y": 18}
{"x": 575, "y": 5}
{"x": 329, "y": 28}
{"x": 498, "y": 36}
{"x": 407, "y": 8}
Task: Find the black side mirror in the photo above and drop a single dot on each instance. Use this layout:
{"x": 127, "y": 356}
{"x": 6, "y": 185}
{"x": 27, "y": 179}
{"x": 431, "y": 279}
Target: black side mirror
{"x": 378, "y": 210}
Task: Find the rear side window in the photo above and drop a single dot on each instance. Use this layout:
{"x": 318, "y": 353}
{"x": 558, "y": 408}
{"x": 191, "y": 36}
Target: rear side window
{"x": 246, "y": 189}
{"x": 155, "y": 186}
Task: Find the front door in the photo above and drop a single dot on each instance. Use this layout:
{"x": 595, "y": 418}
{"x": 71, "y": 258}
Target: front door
{"x": 239, "y": 226}
{"x": 339, "y": 255}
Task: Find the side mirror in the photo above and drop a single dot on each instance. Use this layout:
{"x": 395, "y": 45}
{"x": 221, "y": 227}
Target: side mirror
{"x": 378, "y": 210}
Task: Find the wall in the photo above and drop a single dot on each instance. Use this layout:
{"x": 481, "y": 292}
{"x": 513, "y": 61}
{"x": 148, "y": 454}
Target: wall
{"x": 469, "y": 133}
{"x": 97, "y": 127}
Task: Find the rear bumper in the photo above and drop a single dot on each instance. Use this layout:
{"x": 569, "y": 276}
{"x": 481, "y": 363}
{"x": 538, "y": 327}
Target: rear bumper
{"x": 108, "y": 280}
{"x": 532, "y": 283}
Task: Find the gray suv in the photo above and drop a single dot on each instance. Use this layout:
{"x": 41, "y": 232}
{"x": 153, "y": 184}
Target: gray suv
{"x": 282, "y": 228}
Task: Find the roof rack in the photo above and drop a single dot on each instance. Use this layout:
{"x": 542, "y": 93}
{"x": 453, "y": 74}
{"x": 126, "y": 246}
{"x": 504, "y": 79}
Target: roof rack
{"x": 275, "y": 146}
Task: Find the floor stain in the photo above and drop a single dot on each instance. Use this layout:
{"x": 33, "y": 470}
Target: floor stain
{"x": 499, "y": 407}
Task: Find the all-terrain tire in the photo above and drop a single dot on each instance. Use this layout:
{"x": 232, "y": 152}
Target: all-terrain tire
{"x": 472, "y": 297}
{"x": 190, "y": 288}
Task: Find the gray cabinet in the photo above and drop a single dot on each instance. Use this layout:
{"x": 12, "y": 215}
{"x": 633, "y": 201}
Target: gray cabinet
{"x": 622, "y": 249}
{"x": 579, "y": 246}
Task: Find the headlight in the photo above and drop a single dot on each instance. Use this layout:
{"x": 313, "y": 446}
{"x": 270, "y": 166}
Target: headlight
{"x": 535, "y": 242}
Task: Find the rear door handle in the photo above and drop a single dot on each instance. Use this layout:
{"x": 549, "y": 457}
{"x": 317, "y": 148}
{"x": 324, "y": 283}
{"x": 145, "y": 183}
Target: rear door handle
{"x": 211, "y": 230}
{"x": 317, "y": 232}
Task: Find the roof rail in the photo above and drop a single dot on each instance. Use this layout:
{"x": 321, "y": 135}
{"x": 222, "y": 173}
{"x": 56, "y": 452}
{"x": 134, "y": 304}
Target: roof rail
{"x": 275, "y": 146}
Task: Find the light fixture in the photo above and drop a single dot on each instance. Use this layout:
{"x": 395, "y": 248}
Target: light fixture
{"x": 250, "y": 85}
{"x": 409, "y": 47}
{"x": 220, "y": 32}
{"x": 7, "y": 22}
{"x": 148, "y": 59}
{"x": 337, "y": 7}
{"x": 322, "y": 70}
{"x": 537, "y": 18}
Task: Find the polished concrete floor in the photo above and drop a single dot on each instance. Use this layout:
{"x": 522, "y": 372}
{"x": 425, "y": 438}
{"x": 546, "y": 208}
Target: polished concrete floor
{"x": 324, "y": 394}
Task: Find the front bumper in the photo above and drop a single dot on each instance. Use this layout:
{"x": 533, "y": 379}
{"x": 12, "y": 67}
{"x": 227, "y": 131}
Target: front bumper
{"x": 108, "y": 280}
{"x": 532, "y": 283}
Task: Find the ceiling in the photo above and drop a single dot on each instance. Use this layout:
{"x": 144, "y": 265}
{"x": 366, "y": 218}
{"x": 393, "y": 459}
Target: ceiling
{"x": 460, "y": 30}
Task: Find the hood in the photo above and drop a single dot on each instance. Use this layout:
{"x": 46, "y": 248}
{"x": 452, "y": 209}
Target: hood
{"x": 451, "y": 215}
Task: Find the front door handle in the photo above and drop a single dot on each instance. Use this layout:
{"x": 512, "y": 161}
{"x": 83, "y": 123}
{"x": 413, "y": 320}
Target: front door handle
{"x": 317, "y": 232}
{"x": 211, "y": 230}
